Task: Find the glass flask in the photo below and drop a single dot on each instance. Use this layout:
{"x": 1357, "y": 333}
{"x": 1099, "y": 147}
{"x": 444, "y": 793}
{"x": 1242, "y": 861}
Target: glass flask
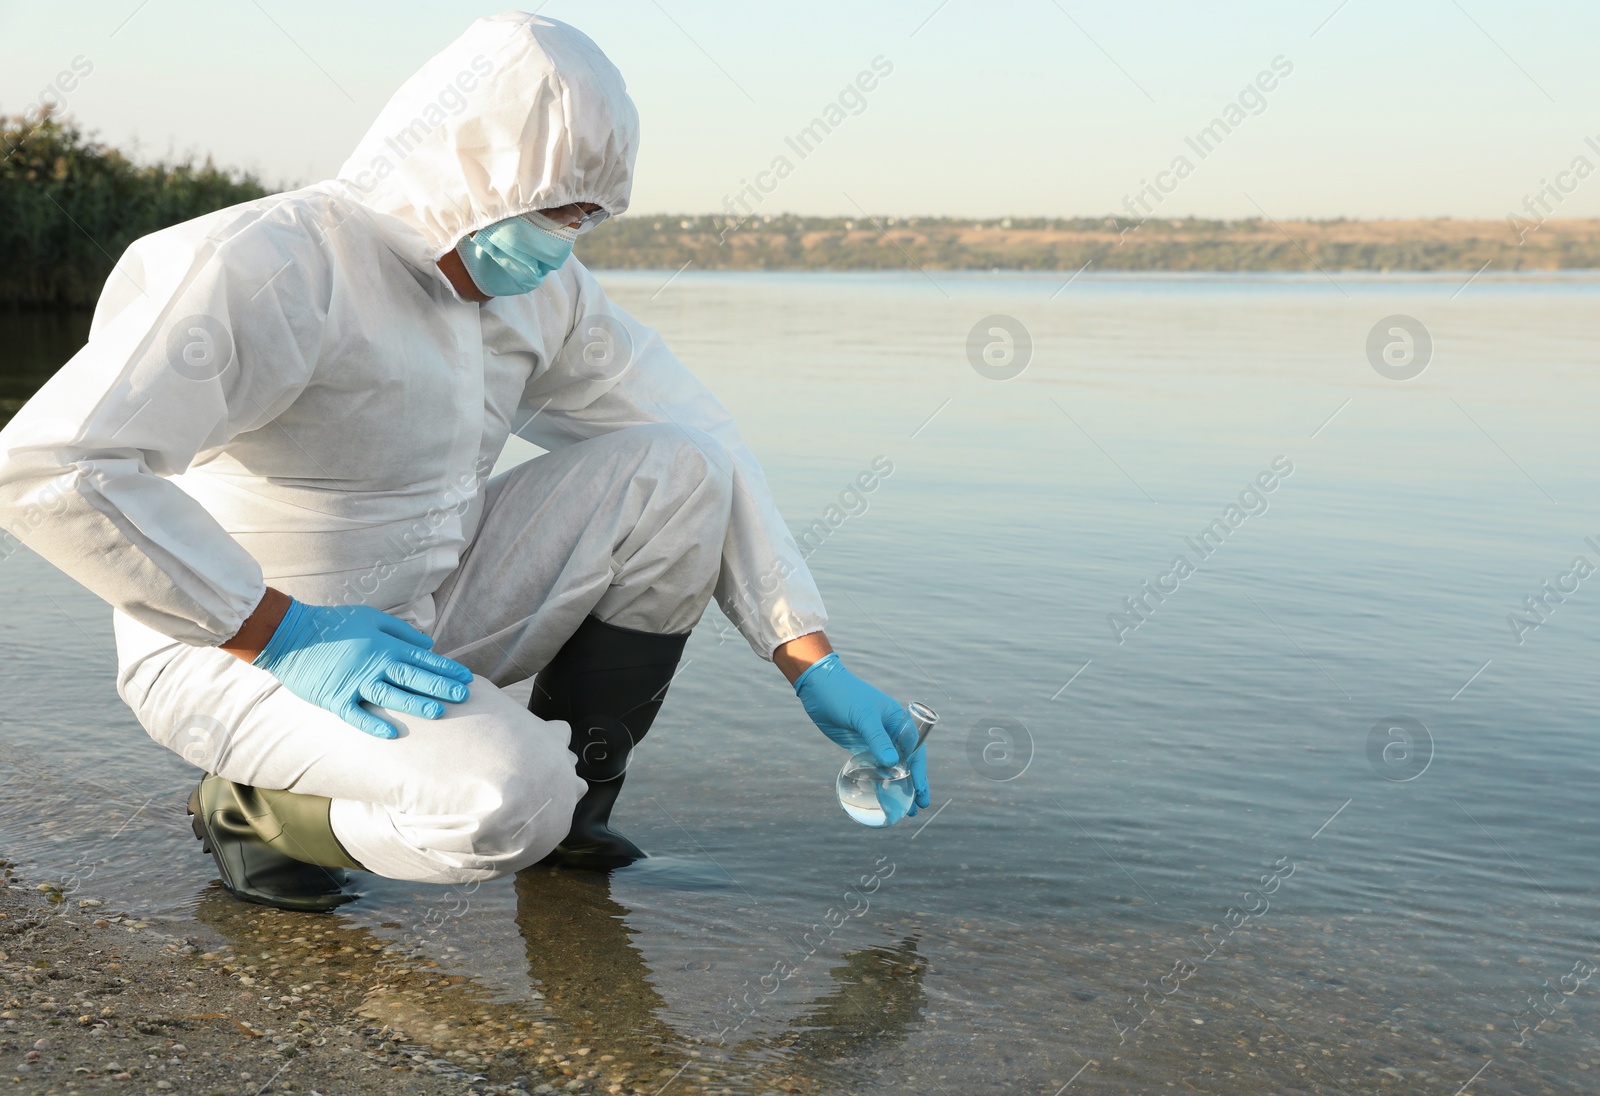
{"x": 880, "y": 795}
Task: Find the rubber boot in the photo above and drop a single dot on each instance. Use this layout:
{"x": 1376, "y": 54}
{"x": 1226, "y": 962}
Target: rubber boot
{"x": 274, "y": 848}
{"x": 608, "y": 683}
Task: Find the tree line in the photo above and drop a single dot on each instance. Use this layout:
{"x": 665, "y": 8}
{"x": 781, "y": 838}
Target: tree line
{"x": 70, "y": 206}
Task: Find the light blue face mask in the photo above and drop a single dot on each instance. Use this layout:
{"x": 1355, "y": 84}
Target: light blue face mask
{"x": 514, "y": 256}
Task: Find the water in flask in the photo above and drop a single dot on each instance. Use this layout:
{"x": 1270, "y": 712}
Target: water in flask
{"x": 878, "y": 795}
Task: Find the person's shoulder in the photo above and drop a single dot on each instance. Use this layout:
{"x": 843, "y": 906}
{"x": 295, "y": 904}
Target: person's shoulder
{"x": 295, "y": 223}
{"x": 298, "y": 241}
{"x": 305, "y": 220}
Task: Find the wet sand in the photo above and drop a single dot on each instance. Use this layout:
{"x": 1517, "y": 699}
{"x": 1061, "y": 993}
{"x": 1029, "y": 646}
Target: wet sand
{"x": 96, "y": 1000}
{"x": 254, "y": 1000}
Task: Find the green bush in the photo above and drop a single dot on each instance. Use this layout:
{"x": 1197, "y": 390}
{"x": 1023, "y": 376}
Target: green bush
{"x": 69, "y": 207}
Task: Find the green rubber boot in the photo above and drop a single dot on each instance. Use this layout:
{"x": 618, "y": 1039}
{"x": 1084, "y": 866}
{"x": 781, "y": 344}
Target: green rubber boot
{"x": 274, "y": 848}
{"x": 608, "y": 683}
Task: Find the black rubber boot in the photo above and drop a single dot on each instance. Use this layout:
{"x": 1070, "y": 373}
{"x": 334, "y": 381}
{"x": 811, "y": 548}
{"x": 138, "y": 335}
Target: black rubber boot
{"x": 608, "y": 682}
{"x": 274, "y": 848}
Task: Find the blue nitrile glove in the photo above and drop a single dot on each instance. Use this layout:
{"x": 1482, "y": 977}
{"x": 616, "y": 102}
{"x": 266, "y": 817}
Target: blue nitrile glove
{"x": 336, "y": 656}
{"x": 859, "y": 717}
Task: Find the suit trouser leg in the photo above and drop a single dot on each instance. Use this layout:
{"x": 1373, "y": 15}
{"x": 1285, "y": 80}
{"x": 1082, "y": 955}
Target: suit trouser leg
{"x": 627, "y": 527}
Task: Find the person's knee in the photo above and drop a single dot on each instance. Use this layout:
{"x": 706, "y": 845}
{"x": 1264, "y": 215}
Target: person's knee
{"x": 696, "y": 463}
{"x": 507, "y": 800}
{"x": 523, "y": 820}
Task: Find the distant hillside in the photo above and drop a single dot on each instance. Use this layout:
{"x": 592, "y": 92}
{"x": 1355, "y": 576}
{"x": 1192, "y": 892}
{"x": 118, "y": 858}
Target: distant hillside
{"x": 943, "y": 243}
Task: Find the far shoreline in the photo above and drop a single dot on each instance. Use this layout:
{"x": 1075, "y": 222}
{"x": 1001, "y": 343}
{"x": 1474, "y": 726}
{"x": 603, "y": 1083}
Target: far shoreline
{"x": 1442, "y": 276}
{"x": 672, "y": 242}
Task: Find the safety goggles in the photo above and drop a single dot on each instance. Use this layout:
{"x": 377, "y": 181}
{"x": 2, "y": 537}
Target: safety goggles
{"x": 573, "y": 215}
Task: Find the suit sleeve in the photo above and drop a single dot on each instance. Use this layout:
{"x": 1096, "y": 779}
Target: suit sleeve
{"x": 195, "y": 341}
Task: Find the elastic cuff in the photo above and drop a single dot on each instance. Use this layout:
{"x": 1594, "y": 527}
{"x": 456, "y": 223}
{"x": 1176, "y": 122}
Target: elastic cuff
{"x": 248, "y": 603}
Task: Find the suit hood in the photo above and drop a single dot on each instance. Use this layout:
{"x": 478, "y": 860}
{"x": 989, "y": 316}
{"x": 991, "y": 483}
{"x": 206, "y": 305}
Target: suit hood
{"x": 519, "y": 113}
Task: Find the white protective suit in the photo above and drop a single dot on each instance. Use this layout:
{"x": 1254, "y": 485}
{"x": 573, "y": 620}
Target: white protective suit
{"x": 289, "y": 392}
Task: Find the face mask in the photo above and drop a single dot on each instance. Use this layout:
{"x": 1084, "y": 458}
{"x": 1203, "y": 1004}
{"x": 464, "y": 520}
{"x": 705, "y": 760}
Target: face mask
{"x": 513, "y": 256}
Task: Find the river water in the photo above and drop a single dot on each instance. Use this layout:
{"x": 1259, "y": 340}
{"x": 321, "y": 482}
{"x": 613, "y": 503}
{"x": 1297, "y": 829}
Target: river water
{"x": 1313, "y": 811}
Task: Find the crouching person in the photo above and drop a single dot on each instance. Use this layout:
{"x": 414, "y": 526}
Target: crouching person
{"x": 272, "y": 459}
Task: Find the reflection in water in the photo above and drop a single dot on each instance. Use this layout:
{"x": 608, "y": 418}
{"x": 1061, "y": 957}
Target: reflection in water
{"x": 598, "y": 985}
{"x": 581, "y": 955}
{"x": 596, "y": 1015}
{"x": 878, "y": 1000}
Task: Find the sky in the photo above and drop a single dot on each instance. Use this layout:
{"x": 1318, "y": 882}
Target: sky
{"x": 1377, "y": 108}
